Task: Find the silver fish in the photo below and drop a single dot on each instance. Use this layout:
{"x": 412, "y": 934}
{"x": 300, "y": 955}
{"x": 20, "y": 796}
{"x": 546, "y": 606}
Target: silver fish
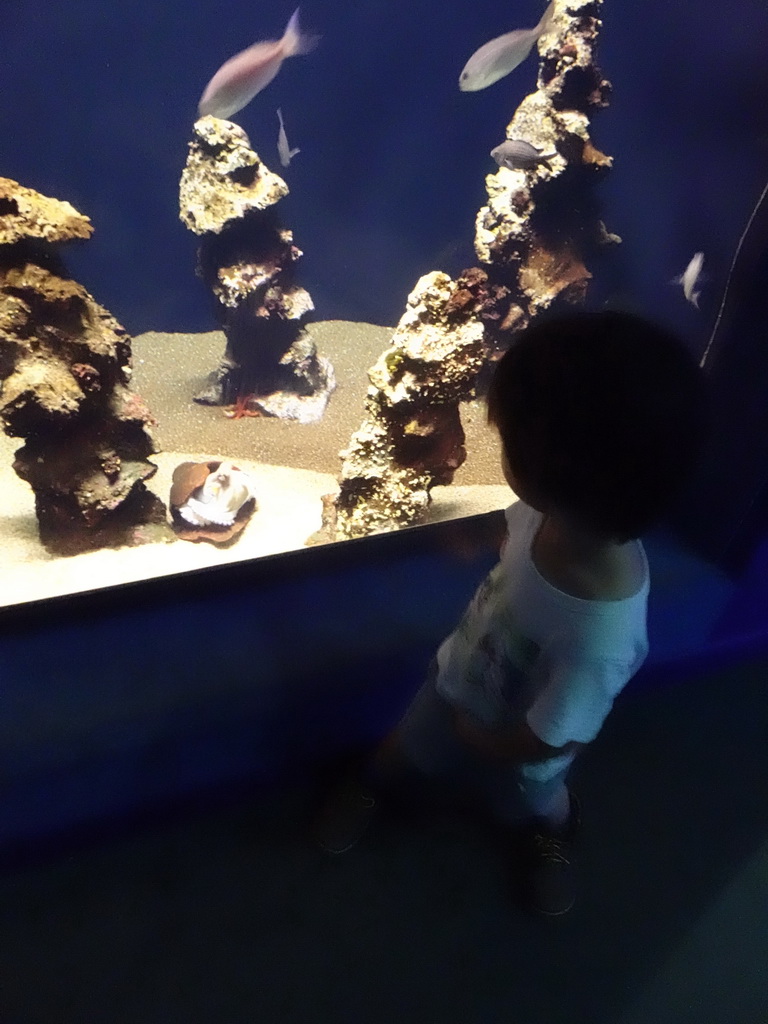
{"x": 240, "y": 78}
{"x": 498, "y": 57}
{"x": 284, "y": 150}
{"x": 517, "y": 154}
{"x": 690, "y": 277}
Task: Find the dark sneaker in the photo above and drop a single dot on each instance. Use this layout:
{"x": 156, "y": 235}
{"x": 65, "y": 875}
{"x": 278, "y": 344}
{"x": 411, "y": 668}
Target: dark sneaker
{"x": 345, "y": 814}
{"x": 547, "y": 881}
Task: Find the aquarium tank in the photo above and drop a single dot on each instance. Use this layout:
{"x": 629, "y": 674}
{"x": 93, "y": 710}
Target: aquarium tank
{"x": 257, "y": 263}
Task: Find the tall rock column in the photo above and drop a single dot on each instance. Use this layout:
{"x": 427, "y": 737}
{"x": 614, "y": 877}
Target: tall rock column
{"x": 228, "y": 196}
{"x": 533, "y": 240}
{"x": 411, "y": 437}
{"x": 65, "y": 368}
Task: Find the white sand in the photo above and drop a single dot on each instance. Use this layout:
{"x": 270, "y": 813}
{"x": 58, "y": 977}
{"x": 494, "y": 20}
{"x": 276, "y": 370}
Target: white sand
{"x": 292, "y": 467}
{"x": 289, "y": 512}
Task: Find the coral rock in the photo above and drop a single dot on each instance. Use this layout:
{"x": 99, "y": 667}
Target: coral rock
{"x": 412, "y": 438}
{"x": 224, "y": 179}
{"x": 553, "y": 273}
{"x": 25, "y": 214}
{"x": 65, "y": 367}
{"x": 270, "y": 366}
{"x": 532, "y": 239}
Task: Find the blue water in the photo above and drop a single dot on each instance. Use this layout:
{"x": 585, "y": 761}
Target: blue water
{"x": 97, "y": 101}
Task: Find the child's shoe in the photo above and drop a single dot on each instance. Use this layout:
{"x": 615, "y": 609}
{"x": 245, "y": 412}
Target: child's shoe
{"x": 547, "y": 882}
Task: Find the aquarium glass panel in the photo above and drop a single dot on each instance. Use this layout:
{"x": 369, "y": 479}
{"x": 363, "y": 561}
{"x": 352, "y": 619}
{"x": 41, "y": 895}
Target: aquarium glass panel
{"x": 257, "y": 264}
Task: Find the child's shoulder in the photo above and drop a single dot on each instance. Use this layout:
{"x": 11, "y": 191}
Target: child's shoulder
{"x": 612, "y": 579}
{"x": 617, "y": 582}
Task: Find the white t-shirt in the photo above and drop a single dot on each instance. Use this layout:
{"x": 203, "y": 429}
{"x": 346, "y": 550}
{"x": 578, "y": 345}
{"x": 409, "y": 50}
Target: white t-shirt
{"x": 526, "y": 650}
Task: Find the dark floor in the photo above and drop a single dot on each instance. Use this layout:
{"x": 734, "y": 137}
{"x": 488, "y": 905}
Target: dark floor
{"x": 232, "y": 916}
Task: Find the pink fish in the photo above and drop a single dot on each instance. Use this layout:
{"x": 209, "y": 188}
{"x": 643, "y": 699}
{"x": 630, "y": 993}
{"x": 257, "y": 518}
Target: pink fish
{"x": 240, "y": 78}
{"x": 498, "y": 57}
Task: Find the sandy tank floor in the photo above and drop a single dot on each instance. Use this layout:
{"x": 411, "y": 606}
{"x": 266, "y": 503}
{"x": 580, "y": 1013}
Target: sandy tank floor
{"x": 292, "y": 466}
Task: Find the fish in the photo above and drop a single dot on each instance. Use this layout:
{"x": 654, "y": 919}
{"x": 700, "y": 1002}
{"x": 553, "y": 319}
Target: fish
{"x": 497, "y": 58}
{"x": 517, "y": 154}
{"x": 286, "y": 153}
{"x": 690, "y": 277}
{"x": 243, "y": 76}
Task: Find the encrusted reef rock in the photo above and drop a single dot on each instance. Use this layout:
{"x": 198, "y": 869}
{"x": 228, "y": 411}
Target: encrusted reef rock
{"x": 533, "y": 241}
{"x": 227, "y": 196}
{"x": 65, "y": 368}
{"x": 25, "y": 214}
{"x": 412, "y": 438}
{"x": 540, "y": 225}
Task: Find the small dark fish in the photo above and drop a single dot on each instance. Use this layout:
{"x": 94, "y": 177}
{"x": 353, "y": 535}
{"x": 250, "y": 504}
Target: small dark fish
{"x": 517, "y": 154}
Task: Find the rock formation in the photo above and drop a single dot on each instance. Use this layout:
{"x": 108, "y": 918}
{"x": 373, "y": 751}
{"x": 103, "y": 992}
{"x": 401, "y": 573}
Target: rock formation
{"x": 412, "y": 438}
{"x": 227, "y": 196}
{"x": 65, "y": 368}
{"x": 532, "y": 241}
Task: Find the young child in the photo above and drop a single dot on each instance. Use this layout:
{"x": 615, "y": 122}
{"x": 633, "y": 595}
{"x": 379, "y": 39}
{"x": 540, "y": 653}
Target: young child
{"x": 601, "y": 417}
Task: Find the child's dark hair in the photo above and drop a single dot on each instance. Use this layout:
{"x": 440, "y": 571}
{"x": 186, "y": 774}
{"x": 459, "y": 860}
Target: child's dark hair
{"x": 603, "y": 415}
